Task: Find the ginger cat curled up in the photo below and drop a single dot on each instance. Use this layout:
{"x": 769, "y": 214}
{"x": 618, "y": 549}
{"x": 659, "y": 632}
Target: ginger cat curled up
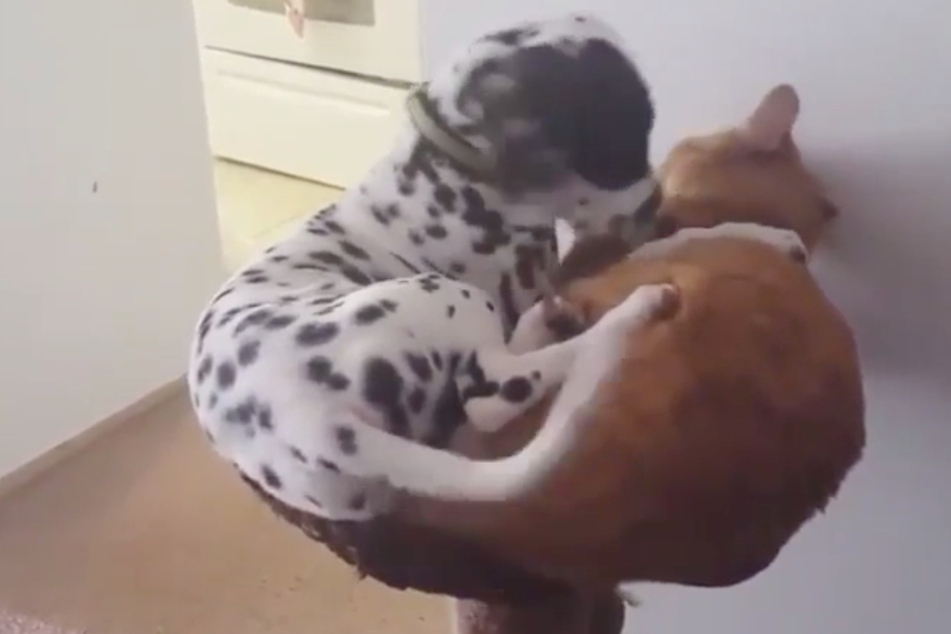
{"x": 729, "y": 422}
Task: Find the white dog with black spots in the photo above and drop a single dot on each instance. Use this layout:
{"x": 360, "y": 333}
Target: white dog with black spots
{"x": 334, "y": 370}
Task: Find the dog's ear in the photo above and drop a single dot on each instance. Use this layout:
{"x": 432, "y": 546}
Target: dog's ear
{"x": 770, "y": 125}
{"x": 547, "y": 111}
{"x": 614, "y": 115}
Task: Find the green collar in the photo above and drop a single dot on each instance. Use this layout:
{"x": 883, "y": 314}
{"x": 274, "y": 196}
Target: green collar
{"x": 447, "y": 141}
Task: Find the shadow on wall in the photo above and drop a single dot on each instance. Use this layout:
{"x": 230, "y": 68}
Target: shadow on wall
{"x": 887, "y": 260}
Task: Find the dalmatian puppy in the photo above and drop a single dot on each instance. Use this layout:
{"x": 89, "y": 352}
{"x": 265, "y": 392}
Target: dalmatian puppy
{"x": 334, "y": 369}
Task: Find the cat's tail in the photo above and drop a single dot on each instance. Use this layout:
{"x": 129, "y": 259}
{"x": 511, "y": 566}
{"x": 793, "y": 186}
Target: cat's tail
{"x": 424, "y": 471}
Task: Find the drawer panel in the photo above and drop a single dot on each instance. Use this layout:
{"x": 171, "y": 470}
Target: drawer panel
{"x": 309, "y": 123}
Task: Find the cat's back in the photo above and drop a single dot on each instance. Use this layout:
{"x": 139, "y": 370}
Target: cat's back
{"x": 720, "y": 433}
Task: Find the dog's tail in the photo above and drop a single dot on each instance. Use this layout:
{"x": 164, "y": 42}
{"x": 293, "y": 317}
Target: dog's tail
{"x": 429, "y": 472}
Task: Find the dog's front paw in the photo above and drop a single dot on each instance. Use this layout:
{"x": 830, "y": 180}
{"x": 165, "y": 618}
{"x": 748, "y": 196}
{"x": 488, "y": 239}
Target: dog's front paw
{"x": 653, "y": 301}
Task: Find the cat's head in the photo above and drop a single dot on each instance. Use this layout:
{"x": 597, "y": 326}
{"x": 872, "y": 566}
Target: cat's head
{"x": 751, "y": 172}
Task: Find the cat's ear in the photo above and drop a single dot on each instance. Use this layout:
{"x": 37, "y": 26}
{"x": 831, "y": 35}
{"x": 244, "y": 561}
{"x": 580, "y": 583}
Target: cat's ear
{"x": 771, "y": 123}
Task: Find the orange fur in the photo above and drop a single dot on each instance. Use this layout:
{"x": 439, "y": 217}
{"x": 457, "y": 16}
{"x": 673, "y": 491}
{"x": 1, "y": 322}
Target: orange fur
{"x": 727, "y": 425}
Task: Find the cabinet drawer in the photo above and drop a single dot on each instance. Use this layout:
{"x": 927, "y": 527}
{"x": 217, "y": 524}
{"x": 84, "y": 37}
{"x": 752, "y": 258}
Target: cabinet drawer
{"x": 377, "y": 38}
{"x": 309, "y": 123}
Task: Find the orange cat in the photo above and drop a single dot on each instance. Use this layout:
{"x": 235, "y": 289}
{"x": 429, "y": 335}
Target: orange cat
{"x": 728, "y": 423}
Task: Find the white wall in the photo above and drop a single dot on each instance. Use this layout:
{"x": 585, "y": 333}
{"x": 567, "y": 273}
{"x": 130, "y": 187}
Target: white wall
{"x": 875, "y": 81}
{"x": 108, "y": 243}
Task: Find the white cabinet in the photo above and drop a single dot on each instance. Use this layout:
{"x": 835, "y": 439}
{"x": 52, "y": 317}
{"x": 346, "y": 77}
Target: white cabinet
{"x": 322, "y": 104}
{"x": 375, "y": 38}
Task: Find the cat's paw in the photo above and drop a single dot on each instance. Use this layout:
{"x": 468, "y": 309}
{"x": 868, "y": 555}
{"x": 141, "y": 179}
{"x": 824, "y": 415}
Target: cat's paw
{"x": 785, "y": 240}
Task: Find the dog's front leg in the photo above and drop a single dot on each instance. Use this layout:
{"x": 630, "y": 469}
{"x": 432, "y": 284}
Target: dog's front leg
{"x": 498, "y": 385}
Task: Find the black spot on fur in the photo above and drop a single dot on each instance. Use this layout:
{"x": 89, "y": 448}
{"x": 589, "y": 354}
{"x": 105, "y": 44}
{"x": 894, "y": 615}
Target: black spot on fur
{"x": 389, "y": 305}
{"x": 265, "y": 420}
{"x": 335, "y": 227}
{"x": 356, "y": 276}
{"x": 536, "y": 375}
{"x": 204, "y": 369}
{"x": 516, "y": 389}
{"x": 450, "y": 311}
{"x": 317, "y": 334}
{"x": 327, "y": 257}
{"x": 383, "y": 388}
{"x": 328, "y": 465}
{"x": 414, "y": 237}
{"x": 405, "y": 186}
{"x": 466, "y": 293}
{"x": 369, "y": 314}
{"x": 490, "y": 307}
{"x": 248, "y": 352}
{"x": 258, "y": 279}
{"x": 242, "y": 413}
{"x": 297, "y": 454}
{"x": 380, "y": 215}
{"x": 445, "y": 197}
{"x": 280, "y": 321}
{"x": 306, "y": 267}
{"x": 417, "y": 400}
{"x": 229, "y": 315}
{"x": 353, "y": 250}
{"x": 437, "y": 359}
{"x": 254, "y": 318}
{"x": 319, "y": 369}
{"x": 491, "y": 222}
{"x": 226, "y": 374}
{"x": 346, "y": 440}
{"x": 420, "y": 366}
{"x": 314, "y": 501}
{"x": 337, "y": 382}
{"x": 205, "y": 327}
{"x": 433, "y": 212}
{"x": 457, "y": 268}
{"x": 437, "y": 232}
{"x": 270, "y": 477}
{"x": 429, "y": 283}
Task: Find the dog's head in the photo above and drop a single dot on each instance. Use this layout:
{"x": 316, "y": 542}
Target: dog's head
{"x": 752, "y": 172}
{"x": 564, "y": 113}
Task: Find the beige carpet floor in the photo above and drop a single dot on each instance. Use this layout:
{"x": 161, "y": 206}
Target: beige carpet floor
{"x": 146, "y": 532}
